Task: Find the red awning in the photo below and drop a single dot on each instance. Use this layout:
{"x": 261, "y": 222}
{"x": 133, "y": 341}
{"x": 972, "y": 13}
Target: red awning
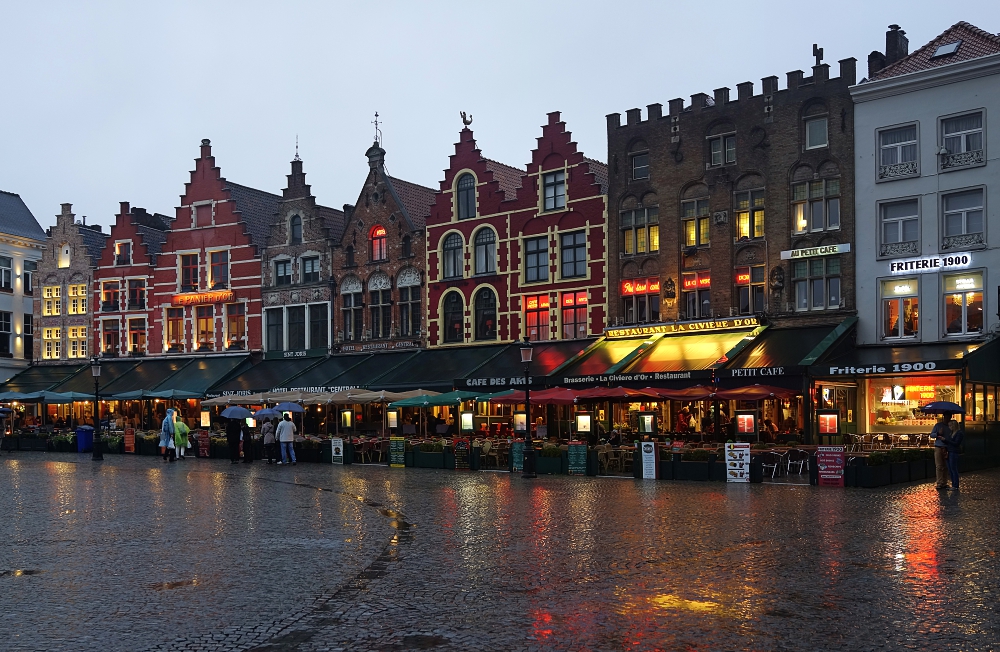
{"x": 755, "y": 393}
{"x": 613, "y": 393}
{"x": 694, "y": 393}
{"x": 551, "y": 396}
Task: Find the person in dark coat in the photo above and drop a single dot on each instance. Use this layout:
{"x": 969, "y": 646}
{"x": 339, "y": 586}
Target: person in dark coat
{"x": 233, "y": 429}
{"x": 953, "y": 443}
{"x": 247, "y": 442}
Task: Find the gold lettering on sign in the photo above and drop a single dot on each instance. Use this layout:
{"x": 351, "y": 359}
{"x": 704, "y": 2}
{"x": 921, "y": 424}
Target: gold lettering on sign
{"x": 682, "y": 327}
{"x": 195, "y": 298}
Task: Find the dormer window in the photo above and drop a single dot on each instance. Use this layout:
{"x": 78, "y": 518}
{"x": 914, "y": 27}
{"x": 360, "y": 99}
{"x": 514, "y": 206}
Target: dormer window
{"x": 380, "y": 249}
{"x": 295, "y": 229}
{"x": 123, "y": 254}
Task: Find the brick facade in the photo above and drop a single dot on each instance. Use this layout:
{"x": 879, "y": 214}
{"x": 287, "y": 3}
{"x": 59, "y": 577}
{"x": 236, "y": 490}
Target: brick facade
{"x": 64, "y": 278}
{"x": 726, "y": 163}
{"x": 378, "y": 260}
{"x": 482, "y": 290}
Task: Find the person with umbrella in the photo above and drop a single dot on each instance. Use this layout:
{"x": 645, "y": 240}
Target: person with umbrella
{"x": 234, "y": 429}
{"x": 286, "y": 436}
{"x": 941, "y": 434}
{"x": 267, "y": 432}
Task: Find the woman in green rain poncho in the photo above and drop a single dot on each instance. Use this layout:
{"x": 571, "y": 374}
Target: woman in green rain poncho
{"x": 181, "y": 438}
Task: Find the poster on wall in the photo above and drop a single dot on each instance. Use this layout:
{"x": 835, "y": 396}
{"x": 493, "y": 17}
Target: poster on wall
{"x": 337, "y": 450}
{"x": 738, "y": 461}
{"x": 830, "y": 462}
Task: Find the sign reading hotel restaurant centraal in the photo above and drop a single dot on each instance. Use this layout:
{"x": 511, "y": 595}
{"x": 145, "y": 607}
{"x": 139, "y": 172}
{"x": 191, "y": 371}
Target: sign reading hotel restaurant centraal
{"x": 809, "y": 252}
{"x": 201, "y": 298}
{"x": 682, "y": 327}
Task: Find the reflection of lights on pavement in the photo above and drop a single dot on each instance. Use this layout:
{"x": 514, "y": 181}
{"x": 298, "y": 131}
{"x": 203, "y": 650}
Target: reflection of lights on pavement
{"x": 667, "y": 601}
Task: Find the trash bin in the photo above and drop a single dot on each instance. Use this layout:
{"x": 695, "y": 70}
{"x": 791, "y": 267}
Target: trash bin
{"x": 85, "y": 439}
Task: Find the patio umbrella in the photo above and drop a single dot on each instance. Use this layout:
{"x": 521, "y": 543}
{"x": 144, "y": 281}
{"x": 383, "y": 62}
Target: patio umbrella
{"x": 694, "y": 393}
{"x": 940, "y": 407}
{"x": 236, "y": 412}
{"x": 266, "y": 413}
{"x": 452, "y": 398}
{"x": 422, "y": 400}
{"x": 288, "y": 407}
{"x": 133, "y": 395}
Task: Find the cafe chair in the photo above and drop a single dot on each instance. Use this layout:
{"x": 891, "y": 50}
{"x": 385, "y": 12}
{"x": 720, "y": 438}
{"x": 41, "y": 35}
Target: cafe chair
{"x": 798, "y": 459}
{"x": 771, "y": 460}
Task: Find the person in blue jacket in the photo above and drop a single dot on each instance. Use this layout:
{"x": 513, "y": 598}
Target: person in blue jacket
{"x": 953, "y": 442}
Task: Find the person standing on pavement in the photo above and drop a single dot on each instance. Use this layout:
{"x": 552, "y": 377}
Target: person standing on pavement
{"x": 954, "y": 445}
{"x": 247, "y": 443}
{"x": 234, "y": 429}
{"x": 181, "y": 438}
{"x": 286, "y": 435}
{"x": 938, "y": 434}
{"x": 167, "y": 432}
{"x": 267, "y": 431}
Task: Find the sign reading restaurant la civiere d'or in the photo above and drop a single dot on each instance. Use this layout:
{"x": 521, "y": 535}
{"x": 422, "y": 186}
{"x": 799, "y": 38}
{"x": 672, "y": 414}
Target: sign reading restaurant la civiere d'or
{"x": 683, "y": 327}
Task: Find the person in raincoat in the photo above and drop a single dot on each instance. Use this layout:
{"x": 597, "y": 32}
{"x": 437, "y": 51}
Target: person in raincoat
{"x": 267, "y": 430}
{"x": 167, "y": 432}
{"x": 181, "y": 438}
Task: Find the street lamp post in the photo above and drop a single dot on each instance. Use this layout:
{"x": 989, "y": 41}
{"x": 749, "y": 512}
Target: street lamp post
{"x": 95, "y": 369}
{"x": 529, "y": 449}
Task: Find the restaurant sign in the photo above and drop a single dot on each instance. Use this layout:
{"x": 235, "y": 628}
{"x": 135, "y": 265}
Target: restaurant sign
{"x": 830, "y": 462}
{"x": 499, "y": 381}
{"x": 604, "y": 379}
{"x": 337, "y": 450}
{"x": 708, "y": 325}
{"x": 760, "y": 372}
{"x": 202, "y": 298}
{"x": 930, "y": 264}
{"x": 809, "y": 252}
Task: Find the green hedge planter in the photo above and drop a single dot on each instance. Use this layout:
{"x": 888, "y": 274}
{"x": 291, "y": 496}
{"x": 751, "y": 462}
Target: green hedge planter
{"x": 918, "y": 470}
{"x": 899, "y": 472}
{"x": 428, "y": 460}
{"x": 548, "y": 465}
{"x": 33, "y": 444}
{"x": 870, "y": 477}
{"x": 687, "y": 470}
{"x": 408, "y": 458}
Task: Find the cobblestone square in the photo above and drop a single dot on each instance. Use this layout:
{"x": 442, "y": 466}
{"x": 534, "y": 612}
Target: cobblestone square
{"x": 136, "y": 554}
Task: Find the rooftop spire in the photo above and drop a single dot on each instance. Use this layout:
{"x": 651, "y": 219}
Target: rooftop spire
{"x": 296, "y": 148}
{"x": 378, "y": 132}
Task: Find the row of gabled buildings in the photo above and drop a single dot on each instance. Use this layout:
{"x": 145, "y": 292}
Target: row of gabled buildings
{"x": 828, "y": 233}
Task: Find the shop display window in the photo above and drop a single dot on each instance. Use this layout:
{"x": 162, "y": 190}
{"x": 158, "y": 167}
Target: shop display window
{"x": 896, "y": 401}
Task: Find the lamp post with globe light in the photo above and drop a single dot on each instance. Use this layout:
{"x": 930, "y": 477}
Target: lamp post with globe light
{"x": 529, "y": 449}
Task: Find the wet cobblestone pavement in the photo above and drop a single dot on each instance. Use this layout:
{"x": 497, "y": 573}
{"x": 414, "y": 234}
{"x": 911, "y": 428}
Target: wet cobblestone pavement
{"x": 136, "y": 554}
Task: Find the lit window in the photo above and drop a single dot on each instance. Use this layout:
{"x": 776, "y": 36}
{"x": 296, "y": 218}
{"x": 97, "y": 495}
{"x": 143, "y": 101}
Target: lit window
{"x": 236, "y": 325}
{"x": 963, "y": 304}
{"x": 696, "y": 294}
{"x": 52, "y": 343}
{"x": 206, "y": 328}
{"x": 750, "y": 214}
{"x": 750, "y": 289}
{"x": 77, "y": 342}
{"x": 640, "y": 300}
{"x": 574, "y": 315}
{"x": 123, "y": 254}
{"x": 379, "y": 248}
{"x": 110, "y": 294}
{"x": 640, "y": 231}
{"x": 175, "y": 329}
{"x": 77, "y": 304}
{"x": 110, "y": 328}
{"x": 695, "y": 223}
{"x": 136, "y": 294}
{"x": 536, "y": 317}
{"x": 137, "y": 336}
{"x": 816, "y": 205}
{"x": 900, "y": 308}
{"x": 51, "y": 301}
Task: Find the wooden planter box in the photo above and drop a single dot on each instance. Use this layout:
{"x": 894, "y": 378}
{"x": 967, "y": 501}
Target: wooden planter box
{"x": 874, "y": 476}
{"x": 548, "y": 465}
{"x": 425, "y": 460}
{"x": 690, "y": 470}
{"x": 408, "y": 458}
{"x": 717, "y": 471}
{"x": 33, "y": 443}
{"x": 899, "y": 472}
{"x": 918, "y": 470}
{"x": 666, "y": 470}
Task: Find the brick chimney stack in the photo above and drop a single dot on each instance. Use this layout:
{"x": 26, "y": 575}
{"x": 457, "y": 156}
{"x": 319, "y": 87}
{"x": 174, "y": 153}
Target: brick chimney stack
{"x": 897, "y": 45}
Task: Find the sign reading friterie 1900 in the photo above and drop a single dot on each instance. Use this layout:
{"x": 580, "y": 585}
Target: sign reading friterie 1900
{"x": 683, "y": 327}
{"x": 202, "y": 298}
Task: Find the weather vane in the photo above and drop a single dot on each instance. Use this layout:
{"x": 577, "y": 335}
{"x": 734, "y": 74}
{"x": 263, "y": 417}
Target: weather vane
{"x": 466, "y": 121}
{"x": 378, "y": 132}
{"x": 297, "y": 148}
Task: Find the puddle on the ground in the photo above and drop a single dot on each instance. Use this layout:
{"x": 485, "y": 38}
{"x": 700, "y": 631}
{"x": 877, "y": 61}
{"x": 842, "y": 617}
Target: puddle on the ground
{"x": 166, "y": 586}
{"x": 19, "y": 573}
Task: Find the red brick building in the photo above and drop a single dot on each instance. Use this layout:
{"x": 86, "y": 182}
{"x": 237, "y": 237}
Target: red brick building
{"x": 202, "y": 271}
{"x": 517, "y": 253}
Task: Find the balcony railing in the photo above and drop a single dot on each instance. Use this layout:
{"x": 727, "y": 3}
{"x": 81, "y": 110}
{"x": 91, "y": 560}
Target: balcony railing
{"x": 964, "y": 241}
{"x": 962, "y": 159}
{"x": 897, "y": 170}
{"x": 898, "y": 249}
{"x": 109, "y": 306}
{"x": 137, "y": 305}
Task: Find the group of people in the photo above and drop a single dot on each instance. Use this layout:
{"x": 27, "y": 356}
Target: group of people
{"x": 948, "y": 436}
{"x": 175, "y": 440}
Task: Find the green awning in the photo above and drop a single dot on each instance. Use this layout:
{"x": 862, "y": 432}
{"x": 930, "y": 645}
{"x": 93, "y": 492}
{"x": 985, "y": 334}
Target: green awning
{"x": 264, "y": 376}
{"x": 146, "y": 374}
{"x": 984, "y": 363}
{"x": 83, "y": 380}
{"x": 437, "y": 369}
{"x": 200, "y": 374}
{"x": 40, "y": 378}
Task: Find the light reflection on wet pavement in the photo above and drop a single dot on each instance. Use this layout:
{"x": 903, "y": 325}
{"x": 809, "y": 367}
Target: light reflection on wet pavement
{"x": 134, "y": 554}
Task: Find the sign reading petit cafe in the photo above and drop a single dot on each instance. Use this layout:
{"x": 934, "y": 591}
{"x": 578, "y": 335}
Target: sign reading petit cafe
{"x": 682, "y": 327}
{"x": 202, "y": 298}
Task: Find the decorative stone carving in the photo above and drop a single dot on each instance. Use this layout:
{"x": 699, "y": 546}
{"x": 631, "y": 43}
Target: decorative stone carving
{"x": 962, "y": 159}
{"x": 963, "y": 241}
{"x": 777, "y": 279}
{"x": 669, "y": 289}
{"x": 408, "y": 278}
{"x": 317, "y": 293}
{"x": 351, "y": 285}
{"x": 898, "y": 249}
{"x": 897, "y": 170}
{"x": 379, "y": 281}
{"x": 295, "y": 297}
{"x": 720, "y": 217}
{"x": 272, "y": 299}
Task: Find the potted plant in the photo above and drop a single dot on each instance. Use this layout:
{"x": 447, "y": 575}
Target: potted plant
{"x": 150, "y": 443}
{"x": 899, "y": 466}
{"x": 408, "y": 453}
{"x": 429, "y": 455}
{"x": 32, "y": 442}
{"x": 549, "y": 460}
{"x": 219, "y": 448}
{"x": 64, "y": 443}
{"x": 875, "y": 473}
{"x": 693, "y": 465}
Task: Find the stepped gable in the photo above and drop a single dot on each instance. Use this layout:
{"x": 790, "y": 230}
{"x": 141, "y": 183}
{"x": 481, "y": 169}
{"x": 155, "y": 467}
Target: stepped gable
{"x": 16, "y": 219}
{"x": 975, "y": 43}
{"x": 600, "y": 172}
{"x": 507, "y": 176}
{"x": 416, "y": 200}
{"x": 257, "y": 209}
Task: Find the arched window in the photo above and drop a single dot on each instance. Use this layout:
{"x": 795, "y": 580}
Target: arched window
{"x": 380, "y": 250}
{"x": 453, "y": 317}
{"x": 452, "y": 256}
{"x": 466, "y": 197}
{"x": 295, "y": 227}
{"x": 486, "y": 314}
{"x": 486, "y": 252}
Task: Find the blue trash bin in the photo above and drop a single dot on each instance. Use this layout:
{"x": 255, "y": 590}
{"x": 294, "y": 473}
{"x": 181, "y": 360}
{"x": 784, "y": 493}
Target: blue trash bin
{"x": 85, "y": 439}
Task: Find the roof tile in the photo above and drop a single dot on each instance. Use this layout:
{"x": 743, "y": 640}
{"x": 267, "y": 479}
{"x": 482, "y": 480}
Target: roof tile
{"x": 257, "y": 209}
{"x": 508, "y": 177}
{"x": 416, "y": 199}
{"x": 16, "y": 219}
{"x": 976, "y": 43}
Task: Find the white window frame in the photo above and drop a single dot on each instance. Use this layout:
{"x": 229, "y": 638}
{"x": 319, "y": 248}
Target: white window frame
{"x": 885, "y": 298}
{"x": 826, "y": 130}
{"x": 558, "y": 180}
{"x": 633, "y": 167}
{"x": 805, "y": 206}
{"x": 880, "y": 223}
{"x": 900, "y": 169}
{"x": 726, "y": 149}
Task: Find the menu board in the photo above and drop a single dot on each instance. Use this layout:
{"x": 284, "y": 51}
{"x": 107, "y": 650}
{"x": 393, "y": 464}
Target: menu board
{"x": 738, "y": 461}
{"x": 517, "y": 456}
{"x": 830, "y": 461}
{"x": 397, "y": 452}
{"x": 650, "y": 457}
{"x": 130, "y": 440}
{"x": 204, "y": 444}
{"x": 746, "y": 423}
{"x": 577, "y": 458}
{"x": 829, "y": 422}
{"x": 461, "y": 450}
{"x": 337, "y": 450}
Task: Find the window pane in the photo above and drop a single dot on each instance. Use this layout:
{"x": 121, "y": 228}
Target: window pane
{"x": 689, "y": 233}
{"x": 800, "y": 191}
{"x": 816, "y": 267}
{"x": 799, "y": 269}
{"x": 799, "y": 217}
{"x": 730, "y": 149}
{"x": 626, "y": 221}
{"x": 963, "y": 123}
{"x": 974, "y": 311}
{"x": 703, "y": 231}
{"x": 743, "y": 225}
{"x": 815, "y": 189}
{"x": 818, "y": 298}
{"x": 628, "y": 238}
{"x": 953, "y": 313}
{"x": 832, "y": 266}
{"x": 910, "y": 230}
{"x": 640, "y": 244}
{"x": 816, "y": 133}
{"x": 716, "y": 144}
{"x": 654, "y": 238}
{"x": 963, "y": 200}
{"x": 974, "y": 222}
{"x": 816, "y": 215}
{"x": 758, "y": 224}
{"x": 953, "y": 224}
{"x": 833, "y": 291}
{"x": 833, "y": 213}
{"x": 890, "y": 314}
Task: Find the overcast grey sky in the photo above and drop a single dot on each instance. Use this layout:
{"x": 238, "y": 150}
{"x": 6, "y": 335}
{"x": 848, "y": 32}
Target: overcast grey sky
{"x": 102, "y": 102}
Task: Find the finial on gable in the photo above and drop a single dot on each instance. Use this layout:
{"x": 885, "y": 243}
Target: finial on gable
{"x": 466, "y": 120}
{"x": 378, "y": 132}
{"x": 296, "y": 148}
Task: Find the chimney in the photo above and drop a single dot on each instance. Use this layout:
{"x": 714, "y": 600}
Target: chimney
{"x": 206, "y": 148}
{"x": 769, "y": 84}
{"x": 821, "y": 73}
{"x": 744, "y": 90}
{"x": 654, "y": 111}
{"x": 849, "y": 71}
{"x": 897, "y": 45}
{"x": 876, "y": 62}
{"x": 123, "y": 208}
{"x": 698, "y": 101}
{"x": 794, "y": 79}
{"x": 676, "y": 106}
{"x": 721, "y": 96}
{"x": 614, "y": 120}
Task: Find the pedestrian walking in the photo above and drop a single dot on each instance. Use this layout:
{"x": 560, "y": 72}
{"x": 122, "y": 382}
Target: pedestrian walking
{"x": 167, "y": 432}
{"x": 938, "y": 434}
{"x": 247, "y": 443}
{"x": 286, "y": 436}
{"x": 953, "y": 443}
{"x": 267, "y": 431}
{"x": 234, "y": 429}
{"x": 181, "y": 443}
